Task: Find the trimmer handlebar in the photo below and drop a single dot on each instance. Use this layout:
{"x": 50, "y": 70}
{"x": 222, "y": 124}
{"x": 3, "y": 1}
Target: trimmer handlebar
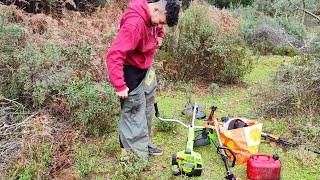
{"x": 230, "y": 151}
{"x": 157, "y": 114}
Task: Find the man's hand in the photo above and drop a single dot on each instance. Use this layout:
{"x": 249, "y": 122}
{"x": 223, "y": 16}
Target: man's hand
{"x": 159, "y": 39}
{"x": 123, "y": 94}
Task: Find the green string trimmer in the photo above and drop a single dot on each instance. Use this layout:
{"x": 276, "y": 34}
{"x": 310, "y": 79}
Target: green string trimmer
{"x": 187, "y": 161}
{"x": 212, "y": 126}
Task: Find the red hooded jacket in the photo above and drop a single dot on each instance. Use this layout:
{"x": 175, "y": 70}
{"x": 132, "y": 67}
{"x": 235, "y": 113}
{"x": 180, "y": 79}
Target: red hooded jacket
{"x": 135, "y": 43}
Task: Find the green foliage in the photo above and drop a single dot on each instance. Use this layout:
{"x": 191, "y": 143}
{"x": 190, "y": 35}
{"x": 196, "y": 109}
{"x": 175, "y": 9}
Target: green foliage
{"x": 295, "y": 90}
{"x": 110, "y": 35}
{"x": 293, "y": 27}
{"x": 92, "y": 158}
{"x": 213, "y": 89}
{"x": 294, "y": 98}
{"x": 264, "y": 48}
{"x": 99, "y": 3}
{"x": 113, "y": 143}
{"x": 132, "y": 170}
{"x": 229, "y": 3}
{"x": 10, "y": 35}
{"x": 255, "y": 19}
{"x": 202, "y": 52}
{"x": 318, "y": 33}
{"x": 267, "y": 48}
{"x": 283, "y": 8}
{"x": 82, "y": 163}
{"x": 36, "y": 168}
{"x": 252, "y": 20}
{"x": 92, "y": 103}
{"x": 30, "y": 71}
{"x": 285, "y": 51}
{"x": 50, "y": 75}
{"x": 164, "y": 126}
{"x": 315, "y": 45}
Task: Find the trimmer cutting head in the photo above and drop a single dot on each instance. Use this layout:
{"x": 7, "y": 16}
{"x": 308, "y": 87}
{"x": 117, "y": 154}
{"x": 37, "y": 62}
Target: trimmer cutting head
{"x": 202, "y": 139}
{"x": 187, "y": 162}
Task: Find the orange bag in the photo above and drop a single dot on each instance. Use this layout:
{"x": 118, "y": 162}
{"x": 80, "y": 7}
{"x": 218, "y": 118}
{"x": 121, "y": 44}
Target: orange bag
{"x": 243, "y": 141}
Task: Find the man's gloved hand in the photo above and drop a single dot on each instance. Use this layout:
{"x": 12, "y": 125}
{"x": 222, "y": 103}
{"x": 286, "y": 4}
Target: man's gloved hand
{"x": 123, "y": 94}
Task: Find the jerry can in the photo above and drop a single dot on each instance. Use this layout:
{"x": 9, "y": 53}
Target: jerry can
{"x": 263, "y": 167}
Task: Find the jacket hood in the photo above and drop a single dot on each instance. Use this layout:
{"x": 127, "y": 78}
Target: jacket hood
{"x": 141, "y": 7}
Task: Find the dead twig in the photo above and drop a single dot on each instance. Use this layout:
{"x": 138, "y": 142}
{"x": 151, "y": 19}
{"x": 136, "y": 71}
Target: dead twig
{"x": 305, "y": 11}
{"x": 6, "y": 129}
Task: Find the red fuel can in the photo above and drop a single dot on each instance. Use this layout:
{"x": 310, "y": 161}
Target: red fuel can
{"x": 263, "y": 167}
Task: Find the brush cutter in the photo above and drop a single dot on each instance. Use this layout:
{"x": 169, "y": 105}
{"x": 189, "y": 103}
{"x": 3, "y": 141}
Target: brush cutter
{"x": 187, "y": 161}
{"x": 212, "y": 125}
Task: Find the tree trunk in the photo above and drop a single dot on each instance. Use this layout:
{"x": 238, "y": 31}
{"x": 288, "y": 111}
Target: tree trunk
{"x": 304, "y": 13}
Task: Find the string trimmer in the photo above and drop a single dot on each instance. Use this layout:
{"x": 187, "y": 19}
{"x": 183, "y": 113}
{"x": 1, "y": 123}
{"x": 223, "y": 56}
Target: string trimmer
{"x": 187, "y": 161}
{"x": 212, "y": 124}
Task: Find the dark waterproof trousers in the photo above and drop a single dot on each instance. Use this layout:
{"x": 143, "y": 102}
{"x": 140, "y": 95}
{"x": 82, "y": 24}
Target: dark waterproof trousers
{"x": 136, "y": 116}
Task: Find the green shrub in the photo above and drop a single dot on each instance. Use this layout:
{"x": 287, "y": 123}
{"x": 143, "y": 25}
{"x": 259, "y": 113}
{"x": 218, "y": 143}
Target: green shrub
{"x": 92, "y": 103}
{"x": 213, "y": 89}
{"x": 267, "y": 7}
{"x": 283, "y": 8}
{"x": 229, "y": 3}
{"x": 132, "y": 170}
{"x": 113, "y": 143}
{"x": 34, "y": 73}
{"x": 83, "y": 162}
{"x": 40, "y": 75}
{"x": 294, "y": 99}
{"x": 295, "y": 90}
{"x": 285, "y": 51}
{"x": 266, "y": 48}
{"x": 164, "y": 126}
{"x": 253, "y": 19}
{"x": 38, "y": 166}
{"x": 30, "y": 72}
{"x": 196, "y": 50}
{"x": 293, "y": 27}
{"x": 315, "y": 45}
{"x": 284, "y": 29}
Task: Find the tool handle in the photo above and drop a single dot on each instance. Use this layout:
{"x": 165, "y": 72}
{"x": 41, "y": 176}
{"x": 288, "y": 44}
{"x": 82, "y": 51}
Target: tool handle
{"x": 157, "y": 114}
{"x": 261, "y": 156}
{"x": 231, "y": 152}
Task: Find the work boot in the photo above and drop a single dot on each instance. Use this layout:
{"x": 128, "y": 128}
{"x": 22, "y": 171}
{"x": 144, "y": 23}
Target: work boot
{"x": 153, "y": 150}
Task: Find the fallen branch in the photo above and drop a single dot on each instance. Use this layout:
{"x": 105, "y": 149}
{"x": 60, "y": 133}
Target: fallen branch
{"x": 305, "y": 10}
{"x": 12, "y": 101}
{"x": 6, "y": 129}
